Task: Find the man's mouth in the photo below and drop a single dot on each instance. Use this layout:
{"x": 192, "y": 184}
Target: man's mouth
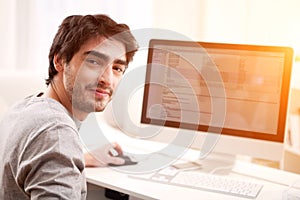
{"x": 101, "y": 93}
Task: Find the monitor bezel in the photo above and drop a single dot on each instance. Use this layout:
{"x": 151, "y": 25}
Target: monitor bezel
{"x": 283, "y": 108}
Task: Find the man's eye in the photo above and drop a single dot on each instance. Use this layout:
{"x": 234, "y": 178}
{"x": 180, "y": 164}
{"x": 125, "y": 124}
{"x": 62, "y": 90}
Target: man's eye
{"x": 119, "y": 69}
{"x": 92, "y": 61}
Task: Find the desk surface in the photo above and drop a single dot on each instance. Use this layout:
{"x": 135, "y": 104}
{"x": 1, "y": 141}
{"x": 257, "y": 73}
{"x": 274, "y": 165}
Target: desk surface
{"x": 110, "y": 178}
{"x": 275, "y": 181}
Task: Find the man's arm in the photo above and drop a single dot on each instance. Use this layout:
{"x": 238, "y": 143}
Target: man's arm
{"x": 51, "y": 166}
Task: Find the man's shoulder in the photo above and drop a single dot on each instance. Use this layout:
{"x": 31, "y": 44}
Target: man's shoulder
{"x": 41, "y": 110}
{"x": 41, "y": 104}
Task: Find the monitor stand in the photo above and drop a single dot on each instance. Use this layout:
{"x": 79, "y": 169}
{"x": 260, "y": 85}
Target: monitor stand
{"x": 215, "y": 162}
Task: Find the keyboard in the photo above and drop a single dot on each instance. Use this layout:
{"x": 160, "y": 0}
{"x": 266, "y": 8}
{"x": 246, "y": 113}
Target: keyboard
{"x": 208, "y": 182}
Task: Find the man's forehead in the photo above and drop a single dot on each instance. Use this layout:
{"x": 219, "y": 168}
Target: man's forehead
{"x": 108, "y": 46}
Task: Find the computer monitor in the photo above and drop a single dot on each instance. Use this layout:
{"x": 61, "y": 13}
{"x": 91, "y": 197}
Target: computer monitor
{"x": 234, "y": 96}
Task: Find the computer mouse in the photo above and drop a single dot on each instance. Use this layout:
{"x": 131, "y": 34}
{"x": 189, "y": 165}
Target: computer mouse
{"x": 128, "y": 161}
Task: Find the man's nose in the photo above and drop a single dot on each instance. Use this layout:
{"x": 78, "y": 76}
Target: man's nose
{"x": 106, "y": 76}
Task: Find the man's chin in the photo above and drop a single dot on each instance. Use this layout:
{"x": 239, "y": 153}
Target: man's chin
{"x": 99, "y": 109}
{"x": 100, "y": 106}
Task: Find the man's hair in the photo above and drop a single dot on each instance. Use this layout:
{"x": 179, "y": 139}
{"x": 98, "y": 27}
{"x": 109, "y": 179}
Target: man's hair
{"x": 76, "y": 30}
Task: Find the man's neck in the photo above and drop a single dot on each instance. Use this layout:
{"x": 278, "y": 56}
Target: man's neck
{"x": 57, "y": 92}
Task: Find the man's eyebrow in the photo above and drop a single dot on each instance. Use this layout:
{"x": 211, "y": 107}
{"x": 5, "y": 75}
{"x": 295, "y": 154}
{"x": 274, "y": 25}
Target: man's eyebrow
{"x": 120, "y": 61}
{"x": 105, "y": 57}
{"x": 97, "y": 54}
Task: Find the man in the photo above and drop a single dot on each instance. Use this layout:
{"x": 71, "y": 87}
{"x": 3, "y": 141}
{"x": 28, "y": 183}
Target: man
{"x": 40, "y": 150}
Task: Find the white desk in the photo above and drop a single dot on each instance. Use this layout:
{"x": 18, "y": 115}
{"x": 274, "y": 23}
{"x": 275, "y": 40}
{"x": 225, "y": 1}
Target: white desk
{"x": 109, "y": 178}
{"x": 122, "y": 182}
{"x": 275, "y": 183}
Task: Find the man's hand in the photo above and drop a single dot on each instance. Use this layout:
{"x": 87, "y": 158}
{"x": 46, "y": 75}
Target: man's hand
{"x": 102, "y": 156}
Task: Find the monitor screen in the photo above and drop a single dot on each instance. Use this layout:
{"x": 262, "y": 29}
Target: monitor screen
{"x": 184, "y": 79}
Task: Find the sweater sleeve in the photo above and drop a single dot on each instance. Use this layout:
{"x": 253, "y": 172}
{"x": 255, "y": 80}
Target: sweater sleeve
{"x": 51, "y": 166}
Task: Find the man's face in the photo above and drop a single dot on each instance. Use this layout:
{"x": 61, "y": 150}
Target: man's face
{"x": 92, "y": 75}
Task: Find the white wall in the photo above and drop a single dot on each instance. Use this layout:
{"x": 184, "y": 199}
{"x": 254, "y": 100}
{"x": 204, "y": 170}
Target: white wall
{"x": 185, "y": 17}
{"x": 7, "y": 29}
{"x": 274, "y": 22}
{"x": 28, "y": 27}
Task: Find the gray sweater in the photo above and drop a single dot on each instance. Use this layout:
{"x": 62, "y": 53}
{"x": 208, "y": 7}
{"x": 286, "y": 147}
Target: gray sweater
{"x": 41, "y": 155}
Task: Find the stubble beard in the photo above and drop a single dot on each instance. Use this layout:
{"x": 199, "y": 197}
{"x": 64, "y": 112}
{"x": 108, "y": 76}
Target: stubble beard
{"x": 84, "y": 100}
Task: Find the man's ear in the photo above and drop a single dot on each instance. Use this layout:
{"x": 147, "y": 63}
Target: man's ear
{"x": 58, "y": 63}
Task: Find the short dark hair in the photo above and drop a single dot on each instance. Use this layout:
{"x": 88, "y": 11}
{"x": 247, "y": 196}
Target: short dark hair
{"x": 75, "y": 30}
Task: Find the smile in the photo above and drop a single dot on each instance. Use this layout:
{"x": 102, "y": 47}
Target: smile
{"x": 100, "y": 93}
